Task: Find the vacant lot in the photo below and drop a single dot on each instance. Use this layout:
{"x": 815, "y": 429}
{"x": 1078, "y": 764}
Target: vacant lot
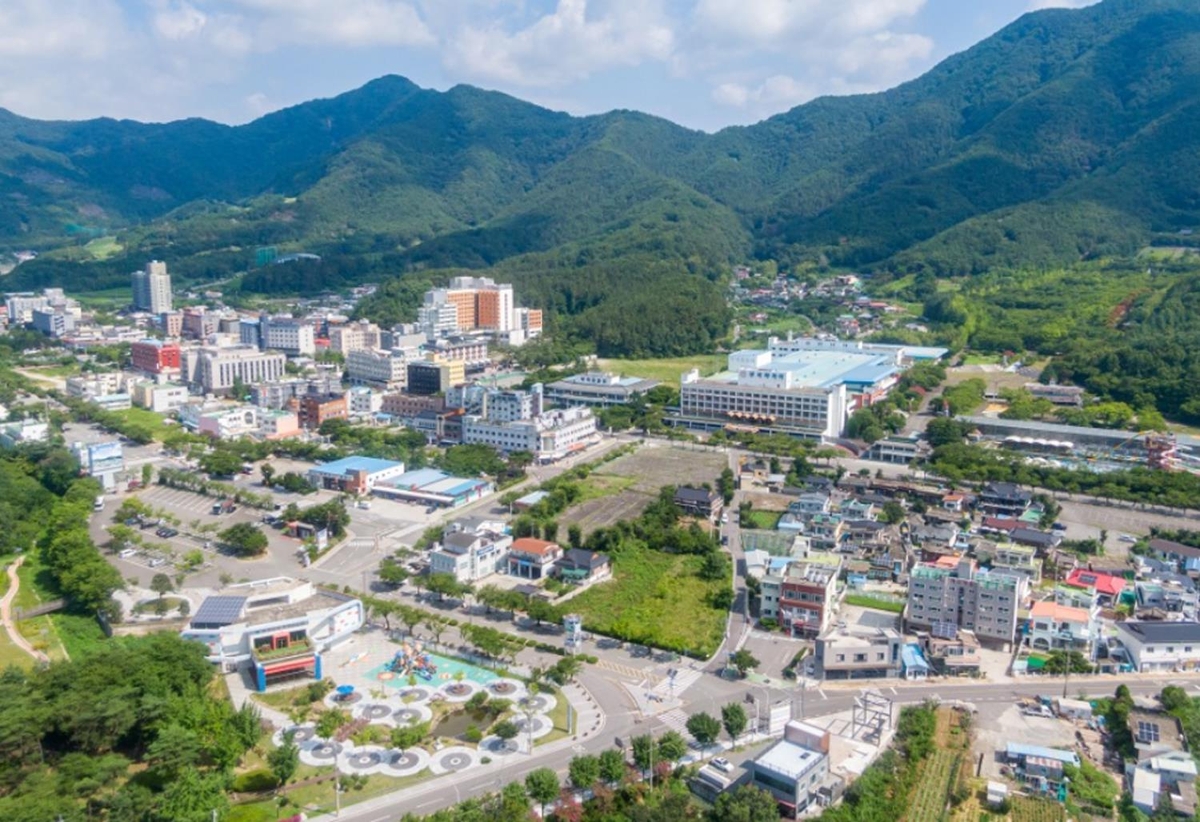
{"x": 666, "y": 370}
{"x": 655, "y": 599}
{"x": 624, "y": 487}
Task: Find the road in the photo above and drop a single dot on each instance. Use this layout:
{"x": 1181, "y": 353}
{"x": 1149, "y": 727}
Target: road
{"x": 829, "y": 699}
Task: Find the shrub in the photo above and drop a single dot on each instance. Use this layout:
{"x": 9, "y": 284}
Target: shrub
{"x": 473, "y": 734}
{"x": 255, "y": 781}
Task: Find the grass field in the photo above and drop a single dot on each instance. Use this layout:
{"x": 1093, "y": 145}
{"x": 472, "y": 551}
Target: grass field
{"x": 941, "y": 771}
{"x": 10, "y": 654}
{"x": 868, "y": 601}
{"x": 102, "y": 248}
{"x": 762, "y": 520}
{"x": 40, "y": 631}
{"x": 666, "y": 370}
{"x": 655, "y": 599}
{"x": 145, "y": 417}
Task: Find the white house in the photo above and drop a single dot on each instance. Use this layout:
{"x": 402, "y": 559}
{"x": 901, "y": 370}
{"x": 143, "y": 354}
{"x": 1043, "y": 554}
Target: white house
{"x": 1161, "y": 646}
{"x": 471, "y": 550}
{"x": 1055, "y": 627}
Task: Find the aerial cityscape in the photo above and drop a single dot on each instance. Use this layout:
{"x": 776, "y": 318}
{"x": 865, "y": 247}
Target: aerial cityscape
{"x": 412, "y": 454}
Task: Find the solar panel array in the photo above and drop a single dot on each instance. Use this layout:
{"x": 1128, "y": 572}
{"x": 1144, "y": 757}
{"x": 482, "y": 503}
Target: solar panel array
{"x": 219, "y": 610}
{"x": 1147, "y": 731}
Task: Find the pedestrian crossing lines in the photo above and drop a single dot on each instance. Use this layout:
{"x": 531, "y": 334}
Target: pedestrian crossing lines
{"x": 675, "y": 720}
{"x": 628, "y": 671}
{"x": 684, "y": 678}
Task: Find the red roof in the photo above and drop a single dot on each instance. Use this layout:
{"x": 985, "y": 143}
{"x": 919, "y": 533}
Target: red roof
{"x": 537, "y": 547}
{"x": 1001, "y": 523}
{"x": 1094, "y": 580}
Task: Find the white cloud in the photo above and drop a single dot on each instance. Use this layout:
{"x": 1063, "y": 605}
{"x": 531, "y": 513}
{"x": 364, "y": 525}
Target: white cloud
{"x": 883, "y": 54}
{"x": 776, "y": 23}
{"x": 344, "y": 22}
{"x": 776, "y": 92}
{"x": 77, "y": 29}
{"x": 570, "y": 43}
{"x": 1038, "y": 5}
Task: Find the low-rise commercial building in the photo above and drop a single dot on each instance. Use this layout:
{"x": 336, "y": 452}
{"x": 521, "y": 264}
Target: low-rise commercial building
{"x": 598, "y": 389}
{"x": 795, "y": 770}
{"x": 1161, "y": 646}
{"x": 435, "y": 488}
{"x": 858, "y": 653}
{"x": 530, "y": 558}
{"x": 161, "y": 398}
{"x": 355, "y": 475}
{"x": 471, "y": 550}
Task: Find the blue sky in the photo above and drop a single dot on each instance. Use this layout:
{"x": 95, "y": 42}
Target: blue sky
{"x": 702, "y": 63}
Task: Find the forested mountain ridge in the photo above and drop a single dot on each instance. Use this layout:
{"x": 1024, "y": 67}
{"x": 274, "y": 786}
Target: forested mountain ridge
{"x": 1068, "y": 135}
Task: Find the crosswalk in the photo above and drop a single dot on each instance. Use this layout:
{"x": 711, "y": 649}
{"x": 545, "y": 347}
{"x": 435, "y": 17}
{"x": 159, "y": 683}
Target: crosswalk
{"x": 684, "y": 679}
{"x": 675, "y": 720}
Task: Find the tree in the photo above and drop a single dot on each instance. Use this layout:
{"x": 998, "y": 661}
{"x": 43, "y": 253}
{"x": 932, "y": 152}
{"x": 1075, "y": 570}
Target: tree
{"x": 392, "y": 573}
{"x": 543, "y": 786}
{"x": 506, "y": 729}
{"x": 584, "y": 771}
{"x": 193, "y": 796}
{"x": 672, "y": 746}
{"x": 268, "y": 473}
{"x": 746, "y": 804}
{"x": 704, "y": 728}
{"x": 184, "y": 608}
{"x": 284, "y": 761}
{"x": 221, "y": 463}
{"x": 330, "y": 722}
{"x": 161, "y": 584}
{"x": 645, "y": 752}
{"x": 244, "y": 540}
{"x": 147, "y": 473}
{"x": 893, "y": 512}
{"x": 444, "y": 584}
{"x": 612, "y": 766}
{"x": 575, "y": 535}
{"x": 539, "y": 610}
{"x": 733, "y": 717}
{"x": 744, "y": 661}
{"x": 408, "y": 736}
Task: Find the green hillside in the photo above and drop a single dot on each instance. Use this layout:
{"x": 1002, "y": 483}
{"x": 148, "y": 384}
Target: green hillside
{"x": 1065, "y": 137}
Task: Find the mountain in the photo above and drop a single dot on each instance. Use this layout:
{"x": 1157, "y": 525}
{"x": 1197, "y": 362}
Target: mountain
{"x": 1068, "y": 135}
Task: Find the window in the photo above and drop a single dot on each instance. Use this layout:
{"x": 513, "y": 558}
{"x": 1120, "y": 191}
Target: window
{"x": 841, "y": 657}
{"x": 860, "y": 657}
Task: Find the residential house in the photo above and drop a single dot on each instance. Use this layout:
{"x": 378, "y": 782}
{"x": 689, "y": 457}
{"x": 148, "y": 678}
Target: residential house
{"x": 1169, "y": 593}
{"x": 810, "y": 503}
{"x": 471, "y": 550}
{"x": 1043, "y": 541}
{"x": 795, "y": 770}
{"x": 1185, "y": 557}
{"x": 1054, "y": 627}
{"x": 1004, "y": 499}
{"x": 1019, "y": 559}
{"x": 579, "y": 565}
{"x": 858, "y": 652}
{"x": 1107, "y": 587}
{"x": 952, "y": 656}
{"x": 1155, "y": 733}
{"x": 530, "y": 558}
{"x": 1172, "y": 774}
{"x": 1161, "y": 646}
{"x": 807, "y": 597}
{"x": 699, "y": 502}
{"x": 826, "y": 531}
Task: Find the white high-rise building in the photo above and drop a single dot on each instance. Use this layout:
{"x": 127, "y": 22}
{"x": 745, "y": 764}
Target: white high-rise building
{"x": 214, "y": 370}
{"x": 386, "y": 369}
{"x": 152, "y": 288}
{"x": 291, "y": 336}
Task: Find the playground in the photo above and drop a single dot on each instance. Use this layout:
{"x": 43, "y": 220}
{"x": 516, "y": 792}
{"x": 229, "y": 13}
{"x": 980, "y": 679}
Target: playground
{"x": 412, "y": 663}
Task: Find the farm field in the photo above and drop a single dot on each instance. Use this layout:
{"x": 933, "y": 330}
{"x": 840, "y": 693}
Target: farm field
{"x": 942, "y": 771}
{"x": 657, "y": 599}
{"x": 762, "y": 520}
{"x": 667, "y": 370}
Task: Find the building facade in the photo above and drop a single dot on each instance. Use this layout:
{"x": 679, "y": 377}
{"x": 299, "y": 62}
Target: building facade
{"x": 314, "y": 409}
{"x": 961, "y": 595}
{"x": 598, "y": 389}
{"x": 382, "y": 369}
{"x": 156, "y": 356}
{"x": 152, "y": 288}
{"x": 215, "y": 370}
{"x": 549, "y": 437}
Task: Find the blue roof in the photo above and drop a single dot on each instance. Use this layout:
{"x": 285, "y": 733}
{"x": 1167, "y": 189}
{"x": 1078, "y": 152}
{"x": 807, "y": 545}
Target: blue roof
{"x": 369, "y": 464}
{"x": 533, "y": 498}
{"x": 911, "y": 656}
{"x": 1021, "y": 749}
{"x": 417, "y": 479}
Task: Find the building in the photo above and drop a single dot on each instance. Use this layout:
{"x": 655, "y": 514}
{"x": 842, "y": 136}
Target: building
{"x": 1004, "y": 499}
{"x": 471, "y": 550}
{"x": 277, "y": 627}
{"x": 222, "y": 421}
{"x": 354, "y": 475}
{"x": 579, "y": 565}
{"x": 437, "y": 319}
{"x": 699, "y": 502}
{"x": 105, "y": 390}
{"x": 356, "y": 336}
{"x": 807, "y": 597}
{"x": 198, "y": 323}
{"x": 212, "y": 370}
{"x": 427, "y": 377}
{"x": 598, "y": 389}
{"x": 479, "y": 303}
{"x": 161, "y": 398}
{"x": 314, "y": 409}
{"x": 528, "y": 321}
{"x": 434, "y": 488}
{"x": 1168, "y": 593}
{"x": 361, "y": 401}
{"x": 287, "y": 334}
{"x": 1186, "y": 558}
{"x": 1161, "y": 646}
{"x": 152, "y": 288}
{"x": 530, "y": 558}
{"x": 952, "y": 656}
{"x": 1106, "y": 587}
{"x": 795, "y": 770}
{"x": 20, "y": 307}
{"x": 1054, "y": 627}
{"x": 406, "y": 406}
{"x": 858, "y": 652}
{"x": 156, "y": 357}
{"x": 279, "y": 394}
{"x": 965, "y": 597}
{"x": 511, "y": 406}
{"x": 1171, "y": 774}
{"x": 378, "y": 368}
{"x": 549, "y": 437}
{"x": 786, "y": 389}
{"x": 22, "y": 432}
{"x": 1070, "y": 395}
{"x": 470, "y": 351}
{"x": 53, "y": 322}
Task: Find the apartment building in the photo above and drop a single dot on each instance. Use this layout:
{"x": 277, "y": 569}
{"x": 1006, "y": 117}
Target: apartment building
{"x": 53, "y": 322}
{"x": 314, "y": 409}
{"x": 152, "y": 288}
{"x": 375, "y": 367}
{"x": 598, "y": 389}
{"x": 470, "y": 351}
{"x": 807, "y": 597}
{"x": 289, "y": 335}
{"x": 211, "y": 370}
{"x": 966, "y": 597}
{"x": 156, "y": 356}
{"x": 355, "y": 336}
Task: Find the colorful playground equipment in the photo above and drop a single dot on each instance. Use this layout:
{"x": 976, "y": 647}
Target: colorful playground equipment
{"x": 412, "y": 659}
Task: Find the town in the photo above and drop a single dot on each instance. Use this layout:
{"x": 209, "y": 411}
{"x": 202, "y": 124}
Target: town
{"x": 430, "y": 571}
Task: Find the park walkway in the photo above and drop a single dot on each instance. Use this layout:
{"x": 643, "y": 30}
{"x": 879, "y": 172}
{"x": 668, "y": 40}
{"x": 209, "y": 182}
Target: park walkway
{"x": 14, "y": 585}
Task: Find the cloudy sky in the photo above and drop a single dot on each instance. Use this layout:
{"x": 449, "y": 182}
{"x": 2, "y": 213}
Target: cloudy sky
{"x": 702, "y": 63}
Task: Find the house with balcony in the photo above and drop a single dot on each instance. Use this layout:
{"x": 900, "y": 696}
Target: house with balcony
{"x": 1004, "y": 499}
{"x": 858, "y": 652}
{"x": 1054, "y": 627}
{"x": 471, "y": 551}
{"x": 958, "y": 655}
{"x": 810, "y": 503}
{"x": 807, "y": 597}
{"x": 1186, "y": 558}
{"x": 699, "y": 502}
{"x": 1018, "y": 559}
{"x": 1167, "y": 594}
{"x": 1107, "y": 587}
{"x": 530, "y": 558}
{"x": 579, "y": 565}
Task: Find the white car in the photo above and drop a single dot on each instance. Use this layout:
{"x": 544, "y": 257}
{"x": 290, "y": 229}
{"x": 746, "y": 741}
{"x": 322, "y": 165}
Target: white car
{"x": 724, "y": 519}
{"x": 1127, "y": 538}
{"x": 722, "y": 764}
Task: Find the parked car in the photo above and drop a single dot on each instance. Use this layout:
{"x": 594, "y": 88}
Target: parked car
{"x": 1127, "y": 538}
{"x": 721, "y": 763}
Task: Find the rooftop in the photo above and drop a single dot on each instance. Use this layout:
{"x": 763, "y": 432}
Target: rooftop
{"x": 1160, "y": 631}
{"x": 350, "y": 464}
{"x": 537, "y": 547}
{"x": 1058, "y": 613}
{"x": 1102, "y": 583}
{"x": 1167, "y": 546}
{"x": 1019, "y": 749}
{"x": 789, "y": 759}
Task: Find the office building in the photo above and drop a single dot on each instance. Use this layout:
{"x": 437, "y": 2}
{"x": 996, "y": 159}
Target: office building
{"x": 953, "y": 592}
{"x": 407, "y": 406}
{"x": 362, "y": 401}
{"x": 291, "y": 336}
{"x": 53, "y": 322}
{"x": 549, "y": 437}
{"x": 21, "y": 307}
{"x": 156, "y": 357}
{"x": 431, "y": 377}
{"x": 215, "y": 370}
{"x": 355, "y": 336}
{"x": 198, "y": 323}
{"x": 160, "y": 398}
{"x": 152, "y": 288}
{"x": 314, "y": 409}
{"x": 470, "y": 351}
{"x": 382, "y": 369}
{"x": 438, "y": 319}
{"x": 858, "y": 652}
{"x": 795, "y": 770}
{"x": 598, "y": 389}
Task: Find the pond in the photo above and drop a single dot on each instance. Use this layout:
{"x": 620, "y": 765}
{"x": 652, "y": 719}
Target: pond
{"x": 455, "y": 725}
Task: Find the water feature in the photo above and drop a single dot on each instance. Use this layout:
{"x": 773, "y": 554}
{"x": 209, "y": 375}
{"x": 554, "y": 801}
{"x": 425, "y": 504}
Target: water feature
{"x": 454, "y": 725}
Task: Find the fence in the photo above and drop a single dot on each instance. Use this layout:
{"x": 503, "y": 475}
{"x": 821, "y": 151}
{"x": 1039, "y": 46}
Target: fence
{"x": 37, "y": 610}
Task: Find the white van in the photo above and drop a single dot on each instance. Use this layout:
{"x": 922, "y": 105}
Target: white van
{"x": 98, "y": 505}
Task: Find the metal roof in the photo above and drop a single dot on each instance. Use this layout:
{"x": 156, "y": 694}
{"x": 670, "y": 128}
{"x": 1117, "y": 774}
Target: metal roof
{"x": 218, "y": 611}
{"x": 369, "y": 464}
{"x": 1021, "y": 749}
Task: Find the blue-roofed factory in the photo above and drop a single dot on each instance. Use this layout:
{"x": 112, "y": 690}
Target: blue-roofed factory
{"x": 432, "y": 487}
{"x": 354, "y": 475}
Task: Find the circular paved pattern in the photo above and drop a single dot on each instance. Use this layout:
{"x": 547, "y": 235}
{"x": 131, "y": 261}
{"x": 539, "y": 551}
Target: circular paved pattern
{"x": 349, "y": 699}
{"x": 539, "y": 703}
{"x": 458, "y": 691}
{"x": 497, "y": 746}
{"x": 374, "y": 711}
{"x": 453, "y": 759}
{"x": 409, "y": 762}
{"x": 363, "y": 760}
{"x": 536, "y": 726}
{"x": 303, "y": 733}
{"x": 326, "y": 751}
{"x": 503, "y": 687}
{"x": 412, "y": 715}
{"x": 416, "y": 694}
